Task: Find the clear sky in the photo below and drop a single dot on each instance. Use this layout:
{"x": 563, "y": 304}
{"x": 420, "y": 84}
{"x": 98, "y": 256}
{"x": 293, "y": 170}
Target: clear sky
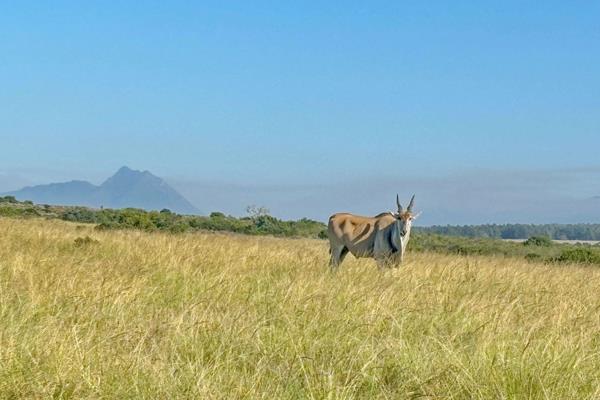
{"x": 288, "y": 100}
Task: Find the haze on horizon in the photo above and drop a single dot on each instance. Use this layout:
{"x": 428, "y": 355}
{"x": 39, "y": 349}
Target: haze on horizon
{"x": 488, "y": 112}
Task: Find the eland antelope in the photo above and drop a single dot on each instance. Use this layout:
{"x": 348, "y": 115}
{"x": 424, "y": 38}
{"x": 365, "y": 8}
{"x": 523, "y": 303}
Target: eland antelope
{"x": 383, "y": 237}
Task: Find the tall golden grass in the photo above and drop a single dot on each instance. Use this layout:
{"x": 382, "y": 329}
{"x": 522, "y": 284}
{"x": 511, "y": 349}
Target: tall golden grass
{"x": 159, "y": 316}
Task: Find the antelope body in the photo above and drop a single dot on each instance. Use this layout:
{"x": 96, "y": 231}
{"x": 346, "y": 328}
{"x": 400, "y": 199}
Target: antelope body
{"x": 383, "y": 237}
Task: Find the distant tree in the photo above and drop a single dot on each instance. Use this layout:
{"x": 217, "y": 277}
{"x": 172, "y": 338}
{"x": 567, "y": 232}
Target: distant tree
{"x": 8, "y": 199}
{"x": 254, "y": 211}
{"x": 519, "y": 231}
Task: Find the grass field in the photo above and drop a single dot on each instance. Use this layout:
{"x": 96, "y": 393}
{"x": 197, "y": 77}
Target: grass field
{"x": 161, "y": 316}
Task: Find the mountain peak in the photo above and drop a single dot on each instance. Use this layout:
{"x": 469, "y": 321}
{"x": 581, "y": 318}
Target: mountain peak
{"x": 126, "y": 171}
{"x": 126, "y": 176}
{"x": 126, "y": 188}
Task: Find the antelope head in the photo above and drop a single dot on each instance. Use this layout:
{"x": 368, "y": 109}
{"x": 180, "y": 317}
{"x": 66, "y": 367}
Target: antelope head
{"x": 406, "y": 217}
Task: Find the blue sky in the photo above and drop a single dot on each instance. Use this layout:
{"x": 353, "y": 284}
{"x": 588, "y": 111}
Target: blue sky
{"x": 223, "y": 99}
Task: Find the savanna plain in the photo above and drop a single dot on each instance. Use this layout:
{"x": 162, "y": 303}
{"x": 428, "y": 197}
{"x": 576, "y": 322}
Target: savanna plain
{"x": 128, "y": 314}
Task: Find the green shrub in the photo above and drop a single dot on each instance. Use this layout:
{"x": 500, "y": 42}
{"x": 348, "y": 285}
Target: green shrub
{"x": 80, "y": 214}
{"x": 164, "y": 220}
{"x": 544, "y": 241}
{"x": 178, "y": 228}
{"x": 8, "y": 199}
{"x": 579, "y": 255}
{"x": 8, "y": 211}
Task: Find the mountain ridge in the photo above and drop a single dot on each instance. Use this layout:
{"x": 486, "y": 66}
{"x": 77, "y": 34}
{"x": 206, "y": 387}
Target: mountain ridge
{"x": 126, "y": 188}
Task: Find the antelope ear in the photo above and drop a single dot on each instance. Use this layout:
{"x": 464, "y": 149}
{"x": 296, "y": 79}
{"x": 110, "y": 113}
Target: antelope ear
{"x": 417, "y": 215}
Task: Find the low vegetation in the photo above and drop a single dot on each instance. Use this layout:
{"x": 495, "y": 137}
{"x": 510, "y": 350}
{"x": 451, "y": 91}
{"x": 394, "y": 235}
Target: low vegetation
{"x": 579, "y": 255}
{"x": 536, "y": 241}
{"x": 115, "y": 314}
{"x": 520, "y": 231}
{"x": 258, "y": 223}
{"x": 536, "y": 248}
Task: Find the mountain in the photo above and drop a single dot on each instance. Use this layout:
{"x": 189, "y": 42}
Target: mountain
{"x": 126, "y": 188}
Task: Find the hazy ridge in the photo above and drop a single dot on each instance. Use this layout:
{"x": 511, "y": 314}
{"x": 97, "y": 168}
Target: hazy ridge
{"x": 126, "y": 188}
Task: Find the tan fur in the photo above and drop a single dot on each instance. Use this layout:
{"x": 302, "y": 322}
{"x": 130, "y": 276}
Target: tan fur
{"x": 406, "y": 215}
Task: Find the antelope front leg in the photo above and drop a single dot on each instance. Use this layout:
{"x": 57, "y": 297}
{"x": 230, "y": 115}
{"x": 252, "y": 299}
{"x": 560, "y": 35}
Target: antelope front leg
{"x": 397, "y": 261}
{"x": 384, "y": 262}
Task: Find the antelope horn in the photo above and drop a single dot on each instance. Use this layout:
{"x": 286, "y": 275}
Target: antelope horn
{"x": 398, "y": 203}
{"x": 410, "y": 205}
